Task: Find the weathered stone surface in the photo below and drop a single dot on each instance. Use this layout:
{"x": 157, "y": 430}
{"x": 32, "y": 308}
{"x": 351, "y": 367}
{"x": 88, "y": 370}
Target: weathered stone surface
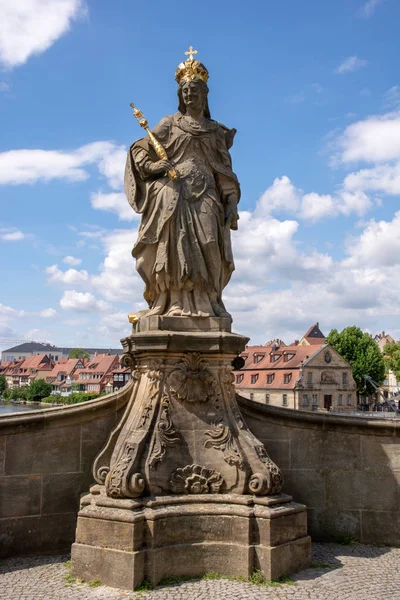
{"x": 380, "y": 527}
{"x": 362, "y": 489}
{"x": 49, "y": 451}
{"x": 179, "y": 536}
{"x": 306, "y": 485}
{"x": 20, "y": 496}
{"x": 380, "y": 451}
{"x": 112, "y": 567}
{"x": 306, "y": 448}
{"x": 61, "y": 492}
{"x": 187, "y": 323}
{"x": 39, "y": 534}
{"x": 2, "y": 454}
{"x": 335, "y": 524}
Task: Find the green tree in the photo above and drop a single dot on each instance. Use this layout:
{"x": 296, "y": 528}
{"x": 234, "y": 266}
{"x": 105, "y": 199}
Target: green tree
{"x": 79, "y": 353}
{"x": 391, "y": 357}
{"x": 39, "y": 389}
{"x": 363, "y": 354}
{"x": 3, "y": 384}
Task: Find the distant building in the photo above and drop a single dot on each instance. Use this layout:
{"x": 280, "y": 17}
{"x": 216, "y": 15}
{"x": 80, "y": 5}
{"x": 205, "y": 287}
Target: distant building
{"x": 390, "y": 386}
{"x": 94, "y": 376}
{"x": 306, "y": 375}
{"x": 55, "y": 353}
{"x": 22, "y": 372}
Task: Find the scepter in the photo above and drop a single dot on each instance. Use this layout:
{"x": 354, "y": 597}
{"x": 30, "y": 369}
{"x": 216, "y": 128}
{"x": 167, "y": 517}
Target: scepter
{"x": 159, "y": 149}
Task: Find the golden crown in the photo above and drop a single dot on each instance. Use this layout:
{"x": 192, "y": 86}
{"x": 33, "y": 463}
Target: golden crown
{"x": 190, "y": 69}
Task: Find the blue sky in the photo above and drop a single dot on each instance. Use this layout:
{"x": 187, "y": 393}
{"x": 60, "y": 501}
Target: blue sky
{"x": 313, "y": 89}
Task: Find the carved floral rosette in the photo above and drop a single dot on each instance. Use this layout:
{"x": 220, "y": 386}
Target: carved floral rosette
{"x": 183, "y": 407}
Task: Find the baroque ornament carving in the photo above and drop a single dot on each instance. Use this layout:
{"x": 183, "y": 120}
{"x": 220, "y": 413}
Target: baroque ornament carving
{"x": 194, "y": 479}
{"x": 115, "y": 479}
{"x": 269, "y": 482}
{"x": 221, "y": 438}
{"x": 191, "y": 381}
{"x": 165, "y": 434}
{"x": 155, "y": 376}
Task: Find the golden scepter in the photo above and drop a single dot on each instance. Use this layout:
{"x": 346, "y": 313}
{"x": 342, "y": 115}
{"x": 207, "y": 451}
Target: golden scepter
{"x": 159, "y": 149}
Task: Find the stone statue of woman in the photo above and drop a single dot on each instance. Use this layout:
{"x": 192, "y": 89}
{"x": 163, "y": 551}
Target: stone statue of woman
{"x": 183, "y": 251}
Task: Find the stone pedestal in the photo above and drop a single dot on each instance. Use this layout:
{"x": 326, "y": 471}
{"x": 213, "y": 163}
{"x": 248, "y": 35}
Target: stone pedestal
{"x": 185, "y": 487}
{"x": 123, "y": 542}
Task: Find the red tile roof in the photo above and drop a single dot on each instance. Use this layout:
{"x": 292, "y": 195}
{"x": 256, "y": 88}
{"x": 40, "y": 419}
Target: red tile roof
{"x": 279, "y": 368}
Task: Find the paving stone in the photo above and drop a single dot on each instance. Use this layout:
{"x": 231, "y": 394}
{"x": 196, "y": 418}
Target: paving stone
{"x": 357, "y": 571}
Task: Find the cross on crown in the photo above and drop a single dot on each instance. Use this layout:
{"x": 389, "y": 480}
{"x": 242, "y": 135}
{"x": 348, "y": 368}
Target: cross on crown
{"x": 190, "y": 52}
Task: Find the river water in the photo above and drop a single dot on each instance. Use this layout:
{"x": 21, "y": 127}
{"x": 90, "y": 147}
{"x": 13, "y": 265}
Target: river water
{"x": 6, "y": 408}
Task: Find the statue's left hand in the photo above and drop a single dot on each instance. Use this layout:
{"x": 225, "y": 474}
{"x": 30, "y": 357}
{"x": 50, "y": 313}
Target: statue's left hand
{"x": 231, "y": 213}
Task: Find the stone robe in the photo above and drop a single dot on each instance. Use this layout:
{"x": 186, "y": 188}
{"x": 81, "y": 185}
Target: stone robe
{"x": 183, "y": 251}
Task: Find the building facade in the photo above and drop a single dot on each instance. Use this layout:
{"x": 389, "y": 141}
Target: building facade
{"x": 302, "y": 376}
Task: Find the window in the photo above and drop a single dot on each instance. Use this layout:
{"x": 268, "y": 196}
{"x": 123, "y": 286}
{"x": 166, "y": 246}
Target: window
{"x": 251, "y": 396}
{"x": 344, "y": 378}
{"x": 121, "y": 377}
{"x": 349, "y": 400}
{"x": 287, "y": 357}
{"x": 239, "y": 378}
{"x": 340, "y": 400}
{"x": 284, "y": 397}
{"x": 270, "y": 378}
{"x": 254, "y": 378}
{"x": 305, "y": 399}
{"x": 314, "y": 400}
{"x": 258, "y": 357}
{"x": 309, "y": 377}
{"x": 274, "y": 357}
{"x": 56, "y": 358}
{"x": 287, "y": 377}
{"x": 266, "y": 398}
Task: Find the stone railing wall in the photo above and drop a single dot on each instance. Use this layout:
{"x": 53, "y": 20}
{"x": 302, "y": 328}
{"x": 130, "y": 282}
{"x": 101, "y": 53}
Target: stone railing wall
{"x": 346, "y": 470}
{"x": 45, "y": 465}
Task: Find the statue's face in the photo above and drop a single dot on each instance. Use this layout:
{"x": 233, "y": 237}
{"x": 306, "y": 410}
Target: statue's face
{"x": 193, "y": 95}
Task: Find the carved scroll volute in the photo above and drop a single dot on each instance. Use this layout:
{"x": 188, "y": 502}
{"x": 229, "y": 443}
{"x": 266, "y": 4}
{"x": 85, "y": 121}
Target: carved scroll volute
{"x": 125, "y": 479}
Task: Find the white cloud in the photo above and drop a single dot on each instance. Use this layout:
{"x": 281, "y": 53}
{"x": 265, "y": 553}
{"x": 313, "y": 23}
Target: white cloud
{"x": 377, "y": 246}
{"x": 375, "y": 139}
{"x": 4, "y": 86}
{"x": 11, "y": 235}
{"x": 83, "y": 302}
{"x": 382, "y": 178}
{"x": 118, "y": 280}
{"x": 392, "y": 97}
{"x": 115, "y": 202}
{"x": 283, "y": 197}
{"x": 112, "y": 166}
{"x": 352, "y": 63}
{"x": 280, "y": 196}
{"x": 29, "y": 27}
{"x": 48, "y": 313}
{"x": 368, "y": 9}
{"x": 31, "y": 166}
{"x": 71, "y": 260}
{"x": 69, "y": 277}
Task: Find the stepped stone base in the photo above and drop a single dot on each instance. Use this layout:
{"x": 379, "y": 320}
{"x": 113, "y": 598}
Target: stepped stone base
{"x": 123, "y": 542}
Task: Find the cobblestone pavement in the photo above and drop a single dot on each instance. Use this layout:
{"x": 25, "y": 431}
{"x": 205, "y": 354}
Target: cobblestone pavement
{"x": 356, "y": 572}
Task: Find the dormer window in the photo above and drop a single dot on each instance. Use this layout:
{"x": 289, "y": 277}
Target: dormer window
{"x": 270, "y": 378}
{"x": 274, "y": 357}
{"x": 287, "y": 357}
{"x": 287, "y": 377}
{"x": 254, "y": 378}
{"x": 239, "y": 378}
{"x": 258, "y": 357}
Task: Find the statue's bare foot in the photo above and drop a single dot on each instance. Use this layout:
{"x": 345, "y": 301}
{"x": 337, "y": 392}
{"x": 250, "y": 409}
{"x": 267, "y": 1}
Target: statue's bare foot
{"x": 175, "y": 310}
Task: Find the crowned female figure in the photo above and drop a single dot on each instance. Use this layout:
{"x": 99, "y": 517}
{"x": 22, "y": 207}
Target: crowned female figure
{"x": 183, "y": 251}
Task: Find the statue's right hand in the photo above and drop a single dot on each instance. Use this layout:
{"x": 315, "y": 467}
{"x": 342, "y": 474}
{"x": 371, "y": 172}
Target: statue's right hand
{"x": 159, "y": 167}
